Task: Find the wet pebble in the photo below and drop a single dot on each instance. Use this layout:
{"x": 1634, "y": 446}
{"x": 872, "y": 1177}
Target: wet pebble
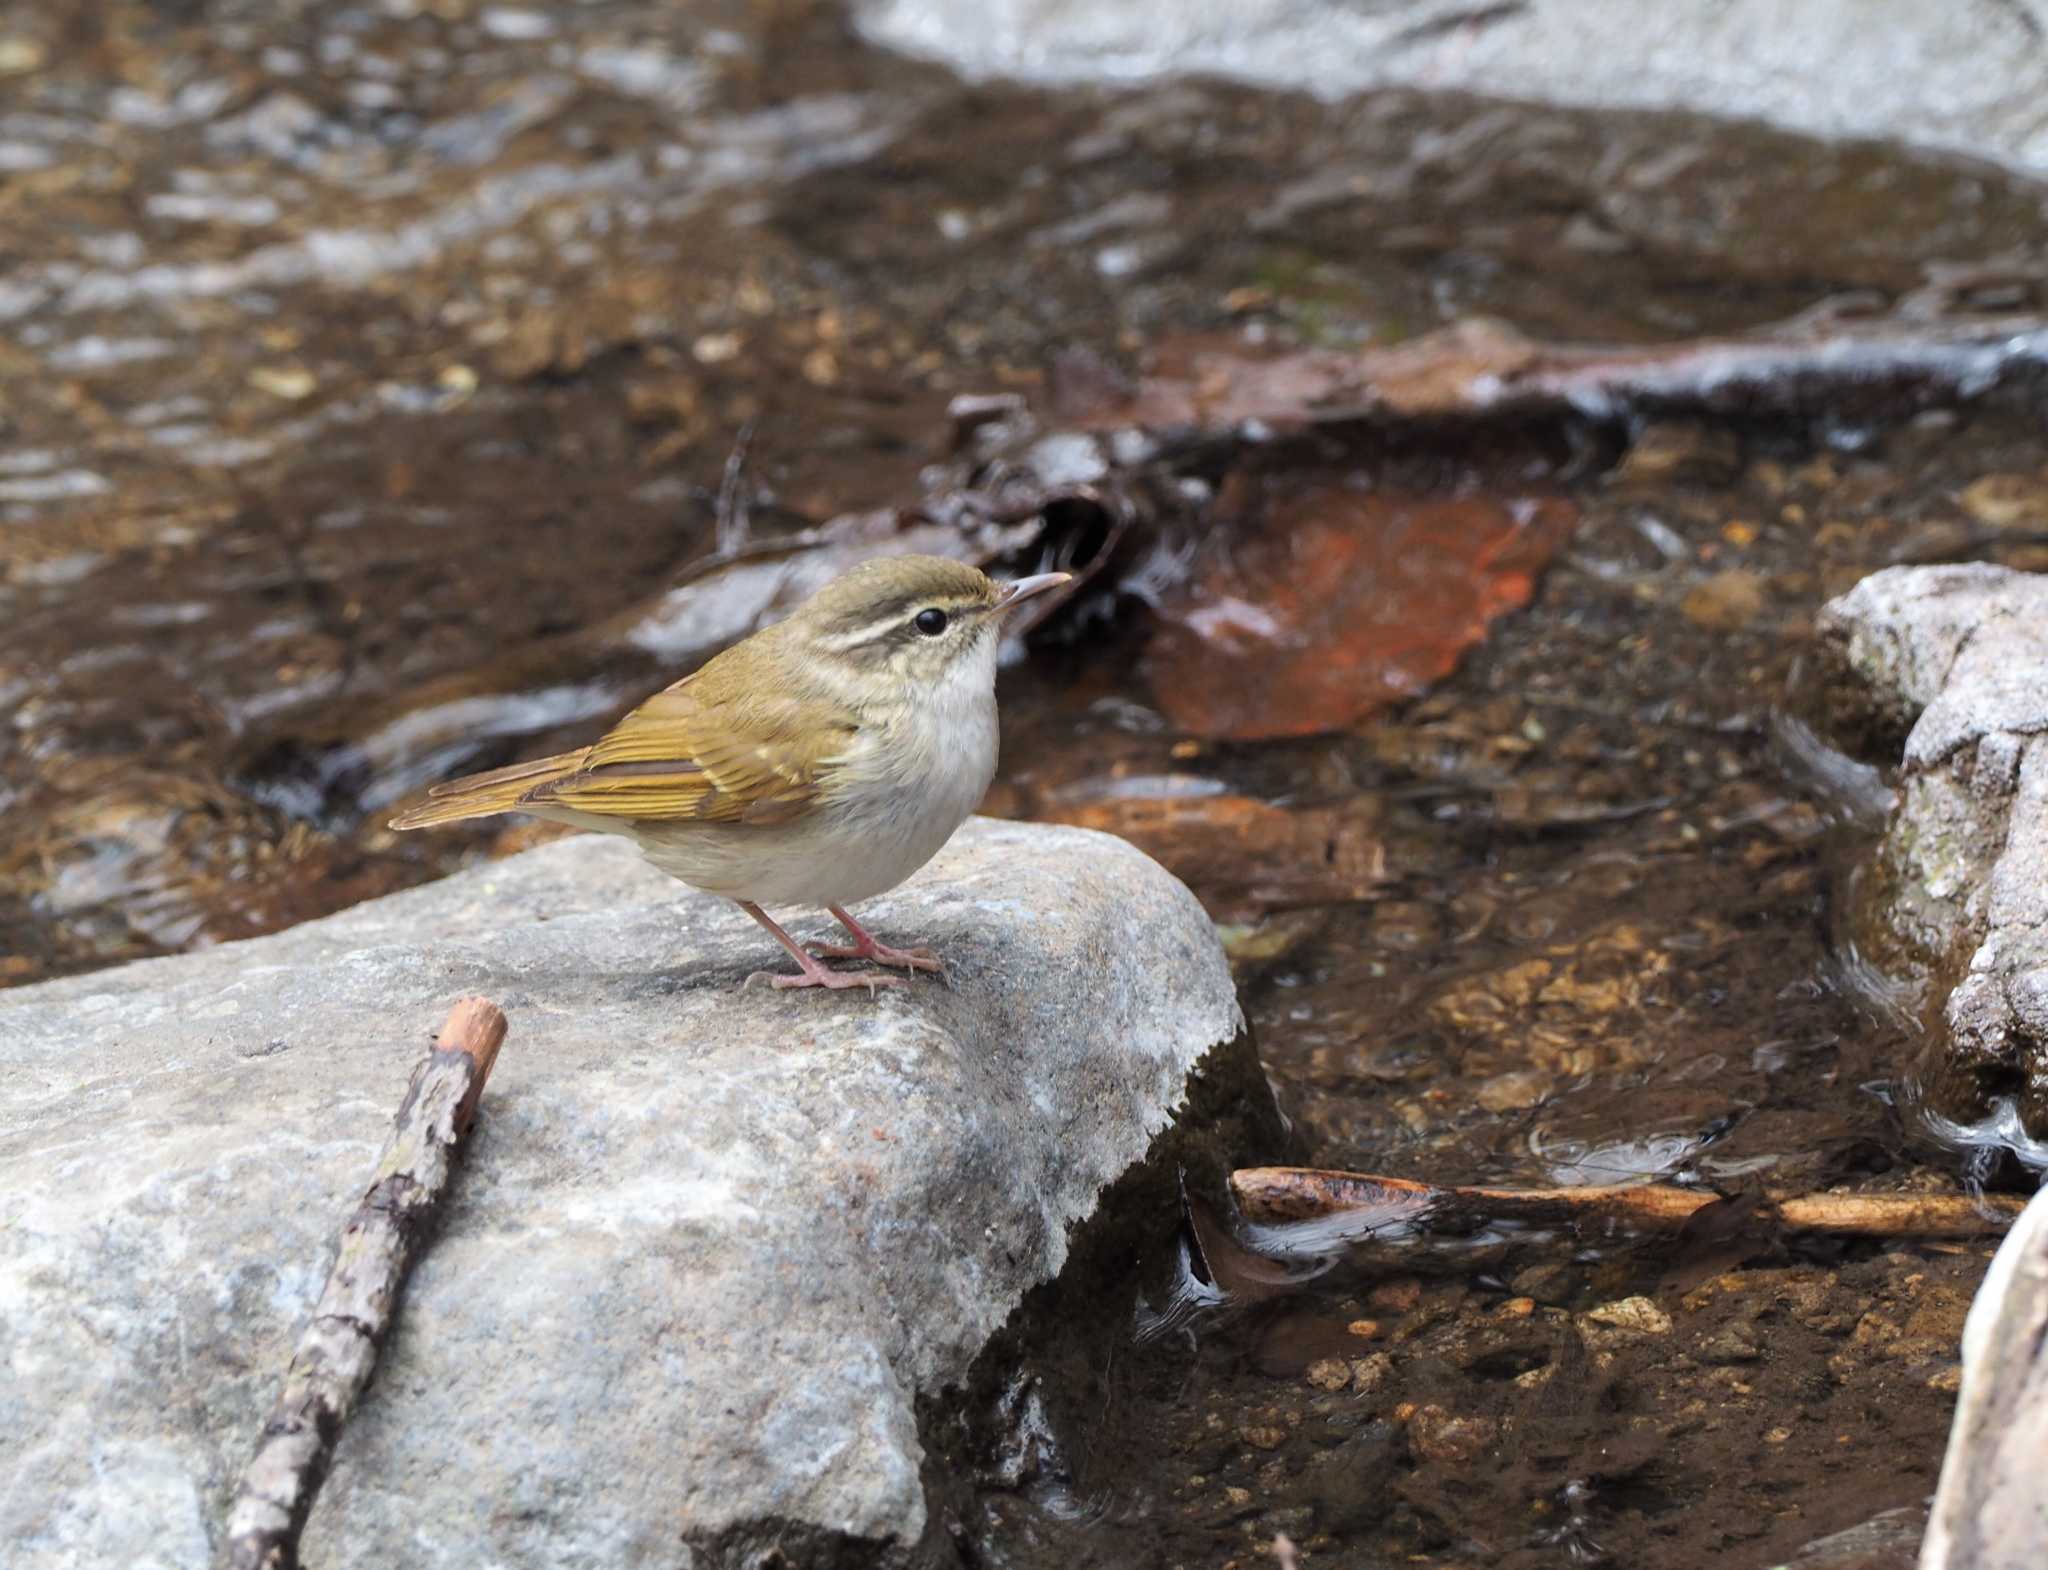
{"x": 1625, "y": 1318}
{"x": 1450, "y": 1439}
{"x": 1726, "y": 602}
{"x": 1329, "y": 1373}
{"x": 1733, "y": 1344}
{"x": 2007, "y": 500}
{"x": 1369, "y": 1373}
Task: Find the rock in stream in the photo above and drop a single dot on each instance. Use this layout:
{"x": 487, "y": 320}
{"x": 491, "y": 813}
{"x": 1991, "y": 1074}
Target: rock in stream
{"x": 710, "y": 1247}
{"x": 1960, "y": 655}
{"x": 1974, "y": 84}
{"x": 1990, "y": 1512}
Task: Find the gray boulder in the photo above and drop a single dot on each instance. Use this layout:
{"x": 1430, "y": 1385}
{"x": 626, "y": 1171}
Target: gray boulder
{"x": 709, "y": 1249}
{"x": 1990, "y": 1511}
{"x": 1971, "y": 75}
{"x": 1962, "y": 654}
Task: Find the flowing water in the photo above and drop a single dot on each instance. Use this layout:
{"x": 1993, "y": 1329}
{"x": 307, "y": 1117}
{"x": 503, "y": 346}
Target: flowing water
{"x": 395, "y": 389}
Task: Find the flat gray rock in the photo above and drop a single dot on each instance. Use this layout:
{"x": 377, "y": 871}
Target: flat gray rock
{"x": 1963, "y": 650}
{"x": 708, "y": 1248}
{"x": 1970, "y": 74}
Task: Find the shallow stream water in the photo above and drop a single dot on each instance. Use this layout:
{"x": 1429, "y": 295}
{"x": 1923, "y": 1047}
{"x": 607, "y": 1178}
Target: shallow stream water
{"x": 373, "y": 382}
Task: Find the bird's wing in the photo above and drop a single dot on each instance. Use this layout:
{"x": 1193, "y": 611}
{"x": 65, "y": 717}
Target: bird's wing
{"x": 763, "y": 760}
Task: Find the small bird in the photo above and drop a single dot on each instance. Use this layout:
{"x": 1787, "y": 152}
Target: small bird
{"x": 821, "y": 761}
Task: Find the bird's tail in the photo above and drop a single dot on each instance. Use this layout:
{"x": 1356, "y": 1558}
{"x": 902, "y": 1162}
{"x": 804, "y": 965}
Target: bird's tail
{"x": 481, "y": 795}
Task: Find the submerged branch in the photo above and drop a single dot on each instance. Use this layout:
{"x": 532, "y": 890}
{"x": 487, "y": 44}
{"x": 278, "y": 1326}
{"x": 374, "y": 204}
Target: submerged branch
{"x": 1277, "y": 1195}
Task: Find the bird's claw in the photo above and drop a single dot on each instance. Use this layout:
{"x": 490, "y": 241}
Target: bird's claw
{"x": 883, "y": 954}
{"x": 833, "y": 980}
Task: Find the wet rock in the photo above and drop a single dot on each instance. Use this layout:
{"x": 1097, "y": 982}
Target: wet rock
{"x": 1671, "y": 452}
{"x": 1725, "y": 602}
{"x": 1961, "y": 655}
{"x": 2005, "y": 500}
{"x": 1451, "y": 1438}
{"x": 1624, "y": 1319}
{"x": 1978, "y": 69}
{"x": 1990, "y": 1512}
{"x": 1889, "y": 1541}
{"x": 1329, "y": 1373}
{"x": 1369, "y": 1373}
{"x": 1733, "y": 1344}
{"x": 710, "y": 1247}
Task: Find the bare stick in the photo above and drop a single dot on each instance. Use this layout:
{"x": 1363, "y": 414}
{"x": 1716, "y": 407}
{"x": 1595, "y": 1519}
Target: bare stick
{"x": 1283, "y": 1194}
{"x": 338, "y": 1352}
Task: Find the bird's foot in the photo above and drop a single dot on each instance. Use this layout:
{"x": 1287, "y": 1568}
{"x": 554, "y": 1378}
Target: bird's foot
{"x": 810, "y": 972}
{"x": 815, "y": 975}
{"x": 882, "y": 954}
{"x": 867, "y": 946}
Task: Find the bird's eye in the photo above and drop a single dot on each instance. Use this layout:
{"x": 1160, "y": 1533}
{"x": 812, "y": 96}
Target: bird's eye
{"x": 931, "y": 623}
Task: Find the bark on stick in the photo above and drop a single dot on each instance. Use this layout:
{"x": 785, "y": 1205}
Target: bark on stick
{"x": 338, "y": 1352}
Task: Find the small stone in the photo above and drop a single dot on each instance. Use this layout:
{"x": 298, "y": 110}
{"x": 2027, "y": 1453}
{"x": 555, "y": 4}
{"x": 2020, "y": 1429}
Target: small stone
{"x": 1726, "y": 602}
{"x": 1548, "y": 1282}
{"x": 290, "y": 382}
{"x": 1673, "y": 452}
{"x": 1515, "y": 1091}
{"x": 1329, "y": 1373}
{"x": 1449, "y": 1439}
{"x": 1517, "y": 1308}
{"x": 1237, "y": 1498}
{"x": 1948, "y": 1381}
{"x": 2006, "y": 501}
{"x": 1633, "y": 1316}
{"x": 716, "y": 348}
{"x": 1369, "y": 1373}
{"x": 1397, "y": 1296}
{"x": 1734, "y": 1344}
{"x": 1264, "y": 1437}
{"x": 1364, "y": 1329}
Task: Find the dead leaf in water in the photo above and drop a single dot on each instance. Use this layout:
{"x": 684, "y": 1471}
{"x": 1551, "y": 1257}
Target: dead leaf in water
{"x": 1240, "y": 855}
{"x": 1343, "y": 602}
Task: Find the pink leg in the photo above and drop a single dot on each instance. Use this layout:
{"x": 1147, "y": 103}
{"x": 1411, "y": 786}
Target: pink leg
{"x": 814, "y": 974}
{"x": 867, "y": 946}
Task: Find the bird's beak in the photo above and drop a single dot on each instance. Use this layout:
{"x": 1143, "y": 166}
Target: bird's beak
{"x": 1018, "y": 591}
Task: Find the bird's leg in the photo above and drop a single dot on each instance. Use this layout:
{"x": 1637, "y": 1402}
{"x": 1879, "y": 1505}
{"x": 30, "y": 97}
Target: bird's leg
{"x": 867, "y": 946}
{"x": 814, "y": 974}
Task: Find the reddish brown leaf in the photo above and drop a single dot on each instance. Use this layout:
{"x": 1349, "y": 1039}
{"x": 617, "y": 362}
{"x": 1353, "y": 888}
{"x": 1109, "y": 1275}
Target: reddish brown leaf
{"x": 1243, "y": 856}
{"x": 1343, "y": 601}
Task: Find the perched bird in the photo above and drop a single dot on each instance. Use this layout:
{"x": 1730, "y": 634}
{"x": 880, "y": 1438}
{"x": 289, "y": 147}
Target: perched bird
{"x": 819, "y": 762}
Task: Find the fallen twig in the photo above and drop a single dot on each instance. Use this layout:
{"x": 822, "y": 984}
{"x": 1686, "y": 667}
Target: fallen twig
{"x": 1478, "y": 369}
{"x": 338, "y": 1352}
{"x": 1278, "y": 1195}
